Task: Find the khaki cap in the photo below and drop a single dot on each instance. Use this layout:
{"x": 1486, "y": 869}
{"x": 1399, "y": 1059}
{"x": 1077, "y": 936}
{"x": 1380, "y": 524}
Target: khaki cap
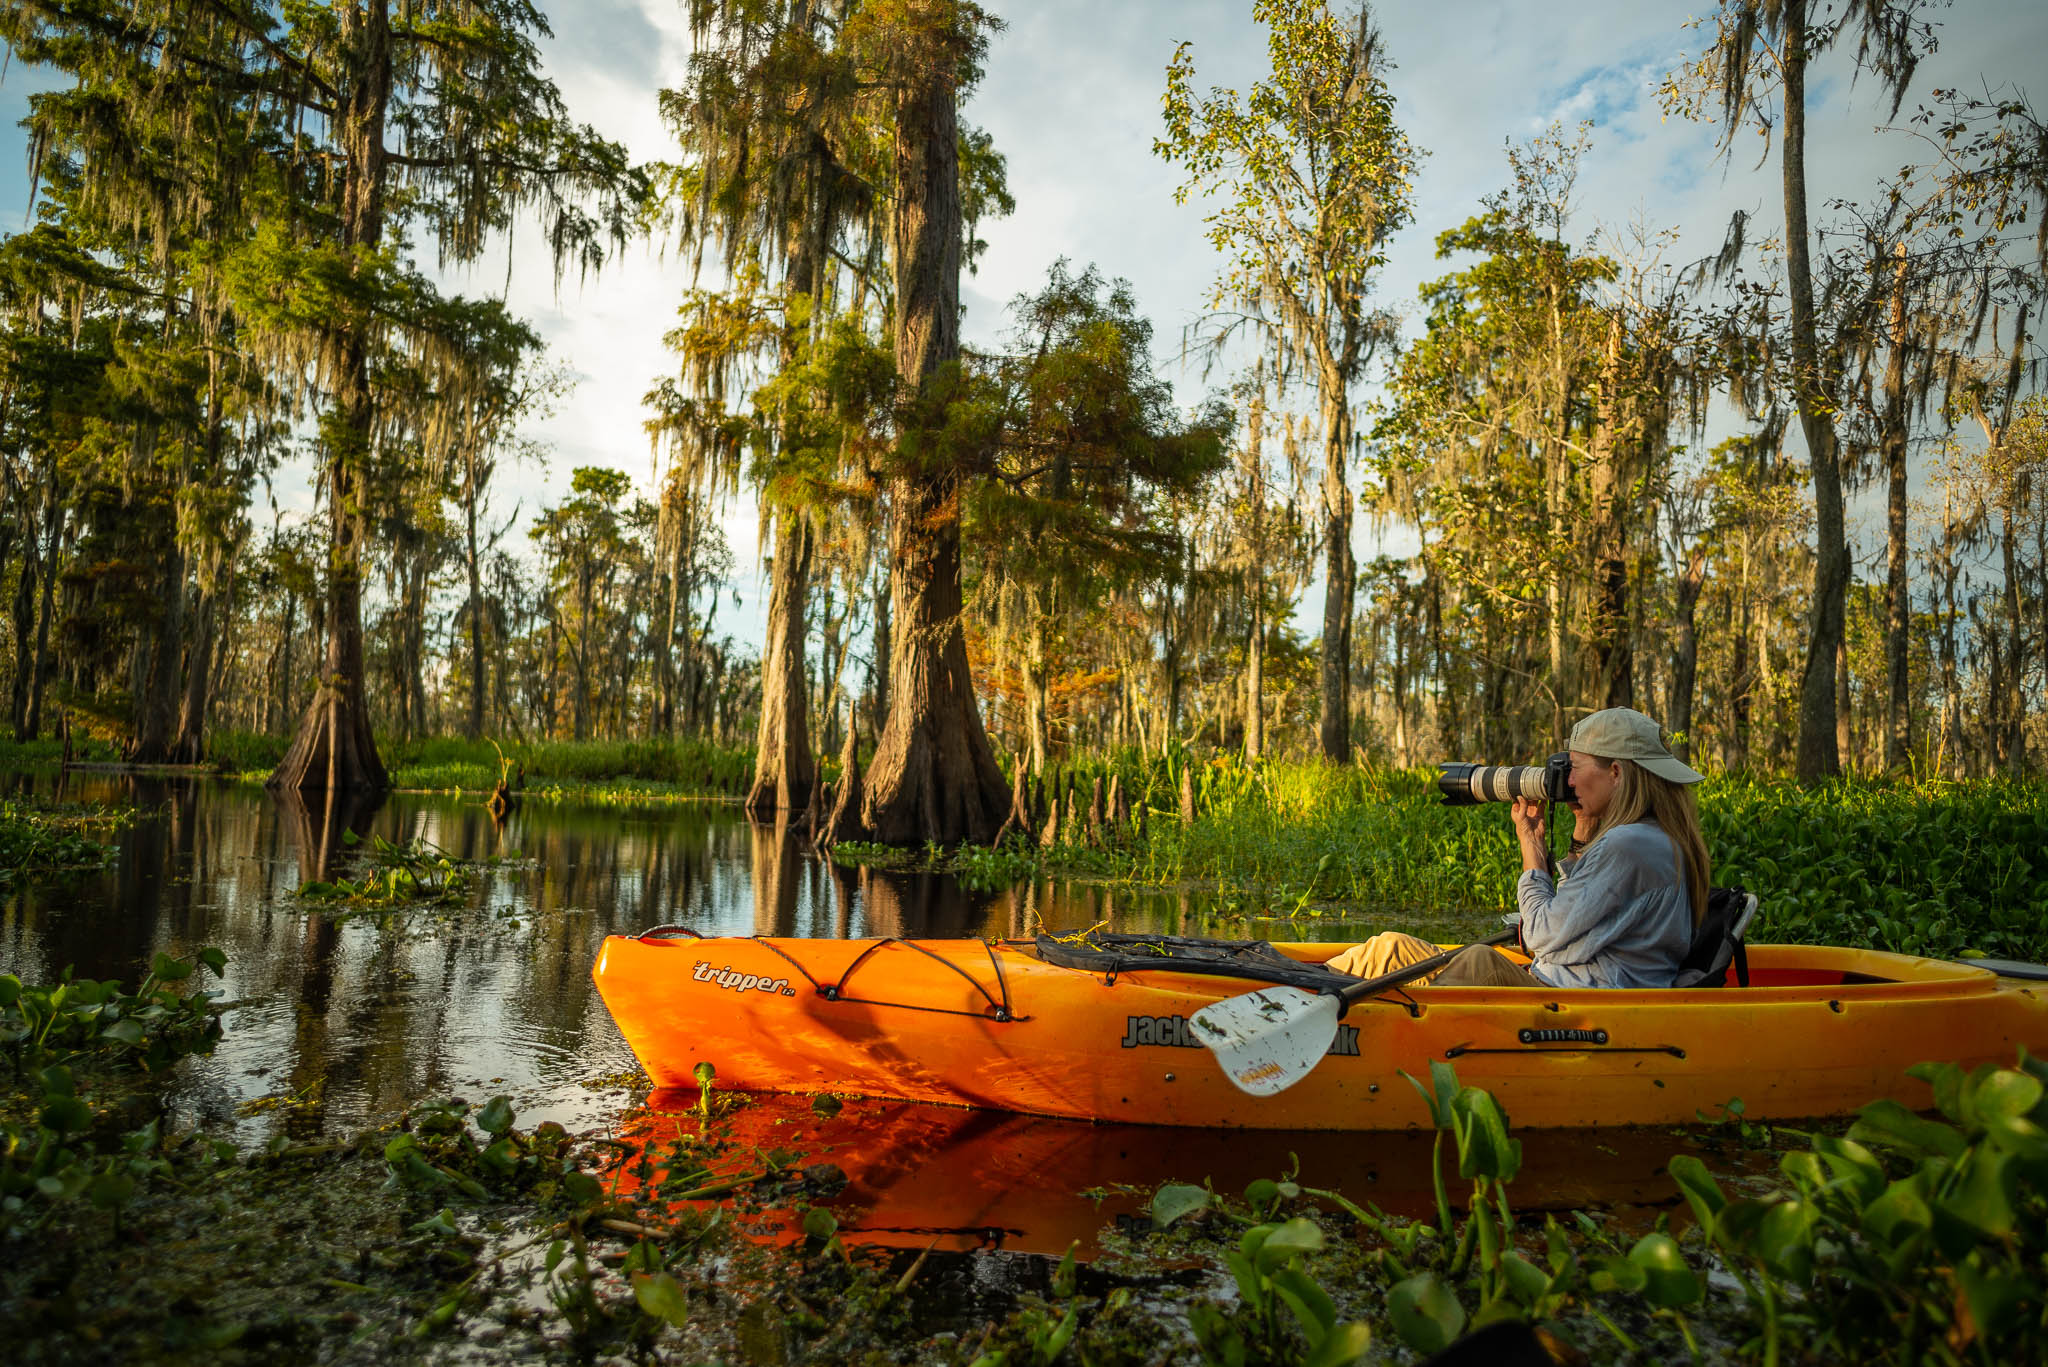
{"x": 1624, "y": 733}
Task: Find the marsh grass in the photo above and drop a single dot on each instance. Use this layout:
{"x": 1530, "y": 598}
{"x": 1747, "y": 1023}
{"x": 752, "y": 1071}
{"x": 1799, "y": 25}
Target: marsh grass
{"x": 1937, "y": 869}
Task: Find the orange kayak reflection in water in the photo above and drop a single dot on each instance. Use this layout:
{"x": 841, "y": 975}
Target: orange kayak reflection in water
{"x": 980, "y": 1179}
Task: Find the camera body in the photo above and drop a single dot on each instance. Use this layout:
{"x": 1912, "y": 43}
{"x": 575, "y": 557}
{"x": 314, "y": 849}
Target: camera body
{"x": 1466, "y": 785}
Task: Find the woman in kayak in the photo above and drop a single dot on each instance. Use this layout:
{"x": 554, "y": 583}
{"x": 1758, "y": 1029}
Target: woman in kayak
{"x": 1633, "y": 889}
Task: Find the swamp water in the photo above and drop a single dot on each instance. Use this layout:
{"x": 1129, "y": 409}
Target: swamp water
{"x": 341, "y": 1017}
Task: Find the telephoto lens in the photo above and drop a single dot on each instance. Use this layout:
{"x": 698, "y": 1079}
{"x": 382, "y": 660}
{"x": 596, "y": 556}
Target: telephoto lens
{"x": 1464, "y": 785}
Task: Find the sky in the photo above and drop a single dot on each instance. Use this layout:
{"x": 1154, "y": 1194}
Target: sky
{"x": 1071, "y": 96}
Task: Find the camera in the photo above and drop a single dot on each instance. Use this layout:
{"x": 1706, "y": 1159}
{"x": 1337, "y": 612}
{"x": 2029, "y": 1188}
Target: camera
{"x": 1466, "y": 784}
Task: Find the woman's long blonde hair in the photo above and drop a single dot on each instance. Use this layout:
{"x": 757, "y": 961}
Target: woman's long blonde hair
{"x": 1640, "y": 794}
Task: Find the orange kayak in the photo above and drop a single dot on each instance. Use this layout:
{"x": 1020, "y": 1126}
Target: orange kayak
{"x": 1818, "y": 1031}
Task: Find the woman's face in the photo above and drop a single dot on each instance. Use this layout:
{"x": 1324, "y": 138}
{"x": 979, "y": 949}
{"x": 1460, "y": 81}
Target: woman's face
{"x": 1594, "y": 780}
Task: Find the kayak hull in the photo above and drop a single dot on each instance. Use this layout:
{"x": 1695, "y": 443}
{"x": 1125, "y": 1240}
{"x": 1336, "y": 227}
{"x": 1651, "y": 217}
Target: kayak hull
{"x": 1820, "y": 1031}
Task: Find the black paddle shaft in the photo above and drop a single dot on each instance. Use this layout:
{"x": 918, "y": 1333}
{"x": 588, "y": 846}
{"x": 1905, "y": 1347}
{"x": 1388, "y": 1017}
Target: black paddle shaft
{"x": 1372, "y": 987}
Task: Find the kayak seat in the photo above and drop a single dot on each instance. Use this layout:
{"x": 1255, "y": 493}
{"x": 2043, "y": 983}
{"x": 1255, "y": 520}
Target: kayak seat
{"x": 1718, "y": 943}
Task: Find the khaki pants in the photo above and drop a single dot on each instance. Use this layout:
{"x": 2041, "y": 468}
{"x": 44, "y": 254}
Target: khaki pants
{"x": 1474, "y": 966}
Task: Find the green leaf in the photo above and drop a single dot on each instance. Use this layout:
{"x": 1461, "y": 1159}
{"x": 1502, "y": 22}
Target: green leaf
{"x": 1998, "y": 1092}
{"x": 501, "y": 1156}
{"x": 1311, "y": 1305}
{"x": 10, "y": 990}
{"x": 1425, "y": 1313}
{"x": 1890, "y": 1124}
{"x": 57, "y": 1081}
{"x": 1526, "y": 1282}
{"x": 1064, "y": 1276}
{"x": 1784, "y": 1239}
{"x": 1996, "y": 1299}
{"x": 1343, "y": 1345}
{"x": 496, "y": 1116}
{"x": 1437, "y": 1097}
{"x": 1262, "y": 1194}
{"x": 661, "y": 1296}
{"x": 1855, "y": 1167}
{"x": 441, "y": 1225}
{"x": 1702, "y": 1192}
{"x": 1668, "y": 1282}
{"x": 1946, "y": 1079}
{"x": 127, "y": 1032}
{"x": 820, "y": 1223}
{"x": 1484, "y": 1148}
{"x": 166, "y": 969}
{"x": 215, "y": 959}
{"x": 1175, "y": 1200}
{"x": 1056, "y": 1342}
{"x": 1901, "y": 1212}
{"x": 1983, "y": 1196}
{"x": 1612, "y": 1272}
{"x": 66, "y": 1115}
{"x": 2019, "y": 1136}
{"x": 1287, "y": 1242}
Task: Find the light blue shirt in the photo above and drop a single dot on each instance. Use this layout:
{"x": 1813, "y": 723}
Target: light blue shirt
{"x": 1621, "y": 917}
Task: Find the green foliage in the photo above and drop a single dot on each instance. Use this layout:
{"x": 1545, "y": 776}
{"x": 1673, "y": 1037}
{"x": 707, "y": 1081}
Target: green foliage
{"x": 150, "y": 1028}
{"x": 1282, "y": 1315}
{"x": 1934, "y": 869}
{"x": 414, "y": 873}
{"x": 1909, "y": 1239}
{"x": 38, "y": 841}
{"x": 65, "y": 1155}
{"x": 441, "y": 1151}
{"x": 577, "y": 769}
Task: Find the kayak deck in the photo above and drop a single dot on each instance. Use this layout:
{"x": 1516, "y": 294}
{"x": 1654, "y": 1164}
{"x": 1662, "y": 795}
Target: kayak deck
{"x": 1818, "y": 1031}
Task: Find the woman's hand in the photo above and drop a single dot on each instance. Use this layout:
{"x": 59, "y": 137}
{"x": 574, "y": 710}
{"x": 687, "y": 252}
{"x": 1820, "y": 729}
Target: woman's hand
{"x": 1531, "y": 831}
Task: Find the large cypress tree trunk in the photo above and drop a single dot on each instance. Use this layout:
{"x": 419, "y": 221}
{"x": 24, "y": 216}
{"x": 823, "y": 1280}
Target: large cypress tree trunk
{"x": 934, "y": 775}
{"x": 1818, "y": 754}
{"x": 53, "y": 530}
{"x": 334, "y": 748}
{"x": 199, "y": 660}
{"x": 784, "y": 770}
{"x": 156, "y": 707}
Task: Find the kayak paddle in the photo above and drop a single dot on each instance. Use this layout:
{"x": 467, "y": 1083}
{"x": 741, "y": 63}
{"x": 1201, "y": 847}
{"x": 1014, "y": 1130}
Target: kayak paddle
{"x": 1270, "y": 1039}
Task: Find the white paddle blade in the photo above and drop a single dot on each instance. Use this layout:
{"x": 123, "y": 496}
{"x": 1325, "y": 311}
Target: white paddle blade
{"x": 1268, "y": 1040}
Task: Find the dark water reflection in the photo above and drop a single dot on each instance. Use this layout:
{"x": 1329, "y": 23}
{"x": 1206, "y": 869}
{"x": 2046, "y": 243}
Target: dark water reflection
{"x": 354, "y": 1016}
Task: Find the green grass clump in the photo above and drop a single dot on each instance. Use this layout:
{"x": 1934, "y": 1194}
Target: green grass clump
{"x": 48, "y": 751}
{"x": 1935, "y": 869}
{"x": 687, "y": 765}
